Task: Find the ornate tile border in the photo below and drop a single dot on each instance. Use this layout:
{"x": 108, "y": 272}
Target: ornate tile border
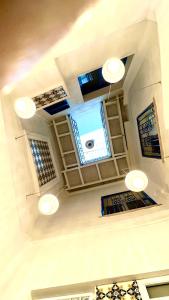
{"x": 48, "y": 98}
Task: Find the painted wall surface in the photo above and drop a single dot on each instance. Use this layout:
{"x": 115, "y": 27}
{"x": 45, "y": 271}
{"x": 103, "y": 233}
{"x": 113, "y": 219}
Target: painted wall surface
{"x": 20, "y": 166}
{"x": 83, "y": 246}
{"x": 146, "y": 86}
{"x": 138, "y": 239}
{"x": 13, "y": 239}
{"x": 163, "y": 32}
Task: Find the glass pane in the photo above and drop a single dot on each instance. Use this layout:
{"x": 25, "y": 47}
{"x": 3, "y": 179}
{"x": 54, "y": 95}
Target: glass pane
{"x": 90, "y": 132}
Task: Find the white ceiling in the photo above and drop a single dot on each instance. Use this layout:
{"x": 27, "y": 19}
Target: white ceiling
{"x": 28, "y": 29}
{"x": 99, "y": 22}
{"x": 97, "y": 30}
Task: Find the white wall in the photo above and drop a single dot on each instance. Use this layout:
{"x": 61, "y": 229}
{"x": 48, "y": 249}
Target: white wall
{"x": 92, "y": 248}
{"x": 146, "y": 86}
{"x": 13, "y": 239}
{"x": 163, "y": 33}
{"x": 119, "y": 246}
{"x": 20, "y": 167}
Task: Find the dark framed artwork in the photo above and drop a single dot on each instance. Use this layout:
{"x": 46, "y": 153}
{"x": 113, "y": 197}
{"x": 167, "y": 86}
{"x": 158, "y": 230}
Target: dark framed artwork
{"x": 128, "y": 200}
{"x": 148, "y": 132}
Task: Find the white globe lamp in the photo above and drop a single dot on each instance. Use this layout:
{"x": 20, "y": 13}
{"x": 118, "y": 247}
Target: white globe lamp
{"x": 136, "y": 181}
{"x": 48, "y": 204}
{"x": 25, "y": 107}
{"x": 7, "y": 89}
{"x": 113, "y": 70}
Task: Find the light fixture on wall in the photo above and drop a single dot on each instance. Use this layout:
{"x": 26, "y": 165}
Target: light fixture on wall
{"x": 25, "y": 107}
{"x": 136, "y": 181}
{"x": 48, "y": 204}
{"x": 113, "y": 70}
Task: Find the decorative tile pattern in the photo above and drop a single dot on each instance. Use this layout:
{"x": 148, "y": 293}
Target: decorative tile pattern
{"x": 147, "y": 128}
{"x": 49, "y": 97}
{"x": 127, "y": 200}
{"x": 134, "y": 291}
{"x": 43, "y": 161}
{"x": 118, "y": 293}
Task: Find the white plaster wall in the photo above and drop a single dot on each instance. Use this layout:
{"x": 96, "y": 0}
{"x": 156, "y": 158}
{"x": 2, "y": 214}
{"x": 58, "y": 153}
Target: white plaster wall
{"x": 146, "y": 86}
{"x": 20, "y": 167}
{"x": 126, "y": 244}
{"x": 13, "y": 239}
{"x": 162, "y": 17}
{"x": 96, "y": 253}
{"x": 121, "y": 248}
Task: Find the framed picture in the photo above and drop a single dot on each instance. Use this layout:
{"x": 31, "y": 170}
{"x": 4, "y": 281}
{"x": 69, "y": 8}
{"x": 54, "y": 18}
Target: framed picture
{"x": 148, "y": 132}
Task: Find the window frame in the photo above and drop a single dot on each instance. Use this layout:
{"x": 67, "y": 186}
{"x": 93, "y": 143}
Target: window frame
{"x": 47, "y": 186}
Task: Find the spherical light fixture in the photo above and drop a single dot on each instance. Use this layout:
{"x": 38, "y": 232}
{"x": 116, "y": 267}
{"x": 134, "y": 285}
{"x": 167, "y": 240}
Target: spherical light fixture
{"x": 7, "y": 89}
{"x": 113, "y": 70}
{"x": 25, "y": 107}
{"x": 48, "y": 204}
{"x": 136, "y": 181}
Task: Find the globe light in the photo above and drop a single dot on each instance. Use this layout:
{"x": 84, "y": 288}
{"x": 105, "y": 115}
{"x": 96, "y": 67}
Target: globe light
{"x": 136, "y": 181}
{"x": 113, "y": 70}
{"x": 7, "y": 89}
{"x": 48, "y": 204}
{"x": 25, "y": 107}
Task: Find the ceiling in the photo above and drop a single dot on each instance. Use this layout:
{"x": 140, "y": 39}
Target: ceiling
{"x": 45, "y": 31}
{"x": 29, "y": 28}
{"x": 48, "y": 43}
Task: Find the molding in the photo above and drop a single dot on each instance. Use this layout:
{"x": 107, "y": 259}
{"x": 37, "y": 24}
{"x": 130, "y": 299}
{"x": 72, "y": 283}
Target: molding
{"x": 89, "y": 287}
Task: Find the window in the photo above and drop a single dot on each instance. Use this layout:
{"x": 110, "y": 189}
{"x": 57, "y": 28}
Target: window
{"x": 128, "y": 200}
{"x": 158, "y": 291}
{"x": 93, "y": 80}
{"x": 42, "y": 158}
{"x": 57, "y": 107}
{"x": 148, "y": 133}
{"x": 90, "y": 132}
{"x": 85, "y": 78}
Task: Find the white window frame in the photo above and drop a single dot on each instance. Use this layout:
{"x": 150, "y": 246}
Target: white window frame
{"x": 144, "y": 283}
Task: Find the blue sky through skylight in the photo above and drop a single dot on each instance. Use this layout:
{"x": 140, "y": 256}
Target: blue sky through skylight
{"x": 89, "y": 122}
{"x": 88, "y": 117}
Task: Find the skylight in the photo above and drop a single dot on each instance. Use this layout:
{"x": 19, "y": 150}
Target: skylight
{"x": 90, "y": 132}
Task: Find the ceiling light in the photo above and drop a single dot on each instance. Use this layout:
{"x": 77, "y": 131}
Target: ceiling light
{"x": 136, "y": 181}
{"x": 7, "y": 89}
{"x": 25, "y": 107}
{"x": 48, "y": 204}
{"x": 113, "y": 70}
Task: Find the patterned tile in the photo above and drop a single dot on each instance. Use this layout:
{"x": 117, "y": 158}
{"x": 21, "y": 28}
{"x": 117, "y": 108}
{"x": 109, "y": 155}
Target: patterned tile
{"x": 50, "y": 97}
{"x": 118, "y": 293}
{"x": 43, "y": 161}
